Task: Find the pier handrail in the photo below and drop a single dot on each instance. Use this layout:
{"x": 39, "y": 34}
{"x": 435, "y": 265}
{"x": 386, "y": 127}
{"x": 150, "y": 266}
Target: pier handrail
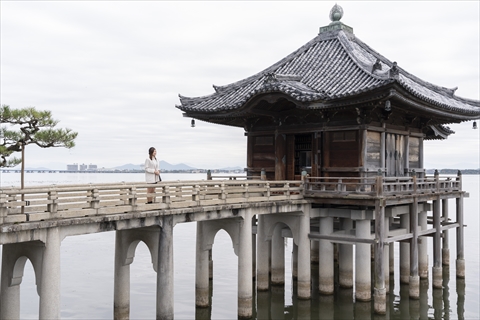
{"x": 80, "y": 200}
{"x": 376, "y": 186}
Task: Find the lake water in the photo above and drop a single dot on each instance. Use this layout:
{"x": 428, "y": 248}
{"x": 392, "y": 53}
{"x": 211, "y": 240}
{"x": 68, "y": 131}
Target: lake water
{"x": 87, "y": 273}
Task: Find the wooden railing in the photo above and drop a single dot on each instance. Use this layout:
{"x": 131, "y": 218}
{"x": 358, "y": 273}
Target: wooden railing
{"x": 382, "y": 186}
{"x": 70, "y": 201}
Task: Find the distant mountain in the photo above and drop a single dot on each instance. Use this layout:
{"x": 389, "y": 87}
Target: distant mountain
{"x": 163, "y": 166}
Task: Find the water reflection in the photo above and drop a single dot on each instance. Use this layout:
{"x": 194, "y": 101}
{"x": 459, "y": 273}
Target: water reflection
{"x": 432, "y": 304}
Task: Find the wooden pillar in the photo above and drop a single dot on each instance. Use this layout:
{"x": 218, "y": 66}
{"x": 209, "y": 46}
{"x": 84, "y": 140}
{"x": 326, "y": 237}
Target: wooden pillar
{"x": 165, "y": 270}
{"x": 202, "y": 284}
{"x": 414, "y": 281}
{"x": 326, "y": 265}
{"x": 381, "y": 254}
{"x": 445, "y": 246}
{"x": 245, "y": 292}
{"x": 391, "y": 255}
{"x": 280, "y": 156}
{"x": 437, "y": 253}
{"x": 386, "y": 254}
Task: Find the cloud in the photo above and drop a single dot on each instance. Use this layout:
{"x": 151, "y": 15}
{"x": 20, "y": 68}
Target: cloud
{"x": 112, "y": 71}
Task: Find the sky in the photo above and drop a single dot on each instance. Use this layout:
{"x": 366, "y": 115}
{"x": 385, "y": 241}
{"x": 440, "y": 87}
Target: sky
{"x": 112, "y": 70}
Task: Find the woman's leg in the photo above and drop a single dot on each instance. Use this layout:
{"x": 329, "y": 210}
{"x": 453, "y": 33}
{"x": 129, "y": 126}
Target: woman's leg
{"x": 149, "y": 198}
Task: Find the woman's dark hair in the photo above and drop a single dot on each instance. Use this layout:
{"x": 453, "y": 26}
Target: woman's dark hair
{"x": 150, "y": 152}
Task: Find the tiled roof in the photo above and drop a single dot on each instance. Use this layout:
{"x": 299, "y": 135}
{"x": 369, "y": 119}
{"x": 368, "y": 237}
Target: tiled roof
{"x": 332, "y": 66}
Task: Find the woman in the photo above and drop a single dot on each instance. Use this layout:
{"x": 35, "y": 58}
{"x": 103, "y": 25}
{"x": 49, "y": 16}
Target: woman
{"x": 152, "y": 172}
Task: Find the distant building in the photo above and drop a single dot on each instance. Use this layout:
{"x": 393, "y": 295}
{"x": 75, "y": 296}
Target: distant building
{"x": 83, "y": 167}
{"x": 92, "y": 167}
{"x": 72, "y": 167}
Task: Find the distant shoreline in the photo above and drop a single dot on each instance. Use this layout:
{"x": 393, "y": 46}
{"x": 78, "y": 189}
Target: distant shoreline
{"x": 237, "y": 171}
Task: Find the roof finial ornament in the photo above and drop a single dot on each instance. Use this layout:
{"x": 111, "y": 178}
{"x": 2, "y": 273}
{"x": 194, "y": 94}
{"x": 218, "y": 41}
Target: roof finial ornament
{"x": 336, "y": 13}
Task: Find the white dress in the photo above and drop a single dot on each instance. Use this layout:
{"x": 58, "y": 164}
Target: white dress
{"x": 150, "y": 167}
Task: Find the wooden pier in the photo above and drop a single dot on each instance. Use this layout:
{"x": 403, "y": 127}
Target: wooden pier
{"x": 319, "y": 213}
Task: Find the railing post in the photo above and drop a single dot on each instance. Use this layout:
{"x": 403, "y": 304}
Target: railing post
{"x": 53, "y": 206}
{"x": 166, "y": 196}
{"x": 209, "y": 175}
{"x": 223, "y": 194}
{"x": 414, "y": 181}
{"x": 379, "y": 183}
{"x": 339, "y": 185}
{"x": 95, "y": 202}
{"x": 263, "y": 175}
{"x": 196, "y": 193}
{"x": 132, "y": 196}
{"x": 3, "y": 207}
{"x": 459, "y": 179}
{"x": 437, "y": 181}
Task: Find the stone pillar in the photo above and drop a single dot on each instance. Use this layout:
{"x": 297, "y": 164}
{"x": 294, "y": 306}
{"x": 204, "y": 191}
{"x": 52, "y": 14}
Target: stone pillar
{"x": 460, "y": 262}
{"x": 381, "y": 259}
{"x": 386, "y": 256}
{"x": 345, "y": 258}
{"x": 445, "y": 246}
{"x": 50, "y": 279}
{"x": 437, "y": 252}
{"x": 304, "y": 267}
{"x": 423, "y": 247}
{"x": 9, "y": 292}
{"x": 263, "y": 256}
{"x": 165, "y": 270}
{"x": 414, "y": 281}
{"x": 254, "y": 250}
{"x": 202, "y": 285}
{"x": 326, "y": 267}
{"x": 405, "y": 251}
{"x": 121, "y": 279}
{"x": 363, "y": 276}
{"x": 245, "y": 294}
{"x": 278, "y": 257}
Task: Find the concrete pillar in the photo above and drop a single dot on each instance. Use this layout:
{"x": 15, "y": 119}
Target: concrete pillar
{"x": 9, "y": 293}
{"x": 304, "y": 267}
{"x": 278, "y": 257}
{"x": 391, "y": 254}
{"x": 326, "y": 267}
{"x": 381, "y": 258}
{"x": 165, "y": 270}
{"x": 202, "y": 285}
{"x": 414, "y": 281}
{"x": 121, "y": 279}
{"x": 386, "y": 256}
{"x": 263, "y": 256}
{"x": 254, "y": 251}
{"x": 405, "y": 251}
{"x": 423, "y": 247}
{"x": 437, "y": 251}
{"x": 345, "y": 258}
{"x": 460, "y": 261}
{"x": 445, "y": 246}
{"x": 50, "y": 280}
{"x": 363, "y": 275}
{"x": 245, "y": 293}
